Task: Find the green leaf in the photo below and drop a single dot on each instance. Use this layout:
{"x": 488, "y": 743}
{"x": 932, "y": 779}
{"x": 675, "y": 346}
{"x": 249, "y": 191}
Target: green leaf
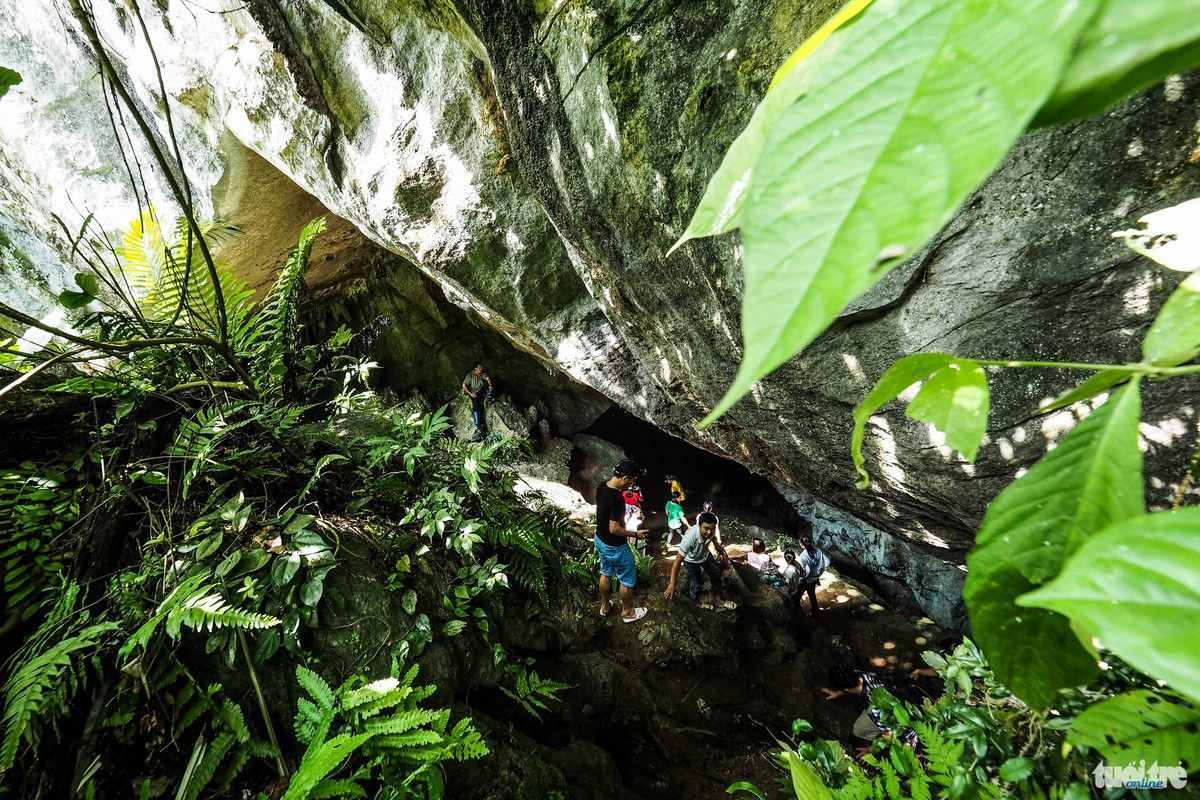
{"x": 73, "y": 300}
{"x": 226, "y": 566}
{"x": 1015, "y": 770}
{"x": 908, "y": 117}
{"x": 955, "y": 401}
{"x": 311, "y": 592}
{"x": 1132, "y": 586}
{"x": 284, "y": 569}
{"x": 87, "y": 283}
{"x": 1140, "y": 724}
{"x": 453, "y": 628}
{"x": 1100, "y": 382}
{"x": 720, "y": 207}
{"x": 1092, "y": 479}
{"x": 901, "y": 375}
{"x": 209, "y": 546}
{"x": 747, "y": 787}
{"x": 805, "y": 782}
{"x": 1175, "y": 335}
{"x": 1129, "y": 45}
{"x": 8, "y": 79}
{"x": 409, "y": 601}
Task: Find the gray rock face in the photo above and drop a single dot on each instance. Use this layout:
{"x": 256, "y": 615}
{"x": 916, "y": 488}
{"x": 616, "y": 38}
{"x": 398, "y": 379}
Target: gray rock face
{"x": 534, "y": 161}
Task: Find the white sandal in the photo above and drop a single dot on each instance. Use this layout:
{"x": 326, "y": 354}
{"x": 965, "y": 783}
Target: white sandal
{"x": 638, "y": 613}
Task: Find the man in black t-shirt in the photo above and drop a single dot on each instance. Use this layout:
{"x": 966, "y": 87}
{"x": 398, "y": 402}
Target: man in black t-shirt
{"x": 612, "y": 541}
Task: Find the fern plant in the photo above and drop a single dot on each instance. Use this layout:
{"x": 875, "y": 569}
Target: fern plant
{"x": 47, "y": 672}
{"x": 365, "y": 733}
{"x": 530, "y": 690}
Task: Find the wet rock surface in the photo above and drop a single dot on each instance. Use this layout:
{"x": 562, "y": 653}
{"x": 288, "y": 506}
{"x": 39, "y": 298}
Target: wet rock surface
{"x": 534, "y": 162}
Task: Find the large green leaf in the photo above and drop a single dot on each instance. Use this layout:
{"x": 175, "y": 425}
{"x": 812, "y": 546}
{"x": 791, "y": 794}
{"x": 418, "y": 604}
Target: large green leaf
{"x": 1102, "y": 381}
{"x": 1092, "y": 479}
{"x": 1140, "y": 725}
{"x": 1175, "y": 335}
{"x": 1129, "y": 45}
{"x": 955, "y": 401}
{"x": 910, "y": 115}
{"x": 1136, "y": 587}
{"x": 720, "y": 207}
{"x": 901, "y": 375}
{"x": 8, "y": 79}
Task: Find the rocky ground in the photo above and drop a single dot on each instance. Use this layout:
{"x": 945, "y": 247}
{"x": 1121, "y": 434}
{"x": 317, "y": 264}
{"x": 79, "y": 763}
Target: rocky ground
{"x": 688, "y": 701}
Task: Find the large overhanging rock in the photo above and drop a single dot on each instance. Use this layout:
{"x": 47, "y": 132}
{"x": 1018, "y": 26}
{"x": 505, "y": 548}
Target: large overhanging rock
{"x": 536, "y": 160}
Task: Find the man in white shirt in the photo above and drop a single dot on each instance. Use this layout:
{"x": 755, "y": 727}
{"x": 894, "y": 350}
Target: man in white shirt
{"x": 693, "y": 551}
{"x": 813, "y": 562}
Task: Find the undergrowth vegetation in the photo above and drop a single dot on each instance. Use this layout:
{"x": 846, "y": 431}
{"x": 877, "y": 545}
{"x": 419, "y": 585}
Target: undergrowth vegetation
{"x": 231, "y": 486}
{"x": 190, "y": 538}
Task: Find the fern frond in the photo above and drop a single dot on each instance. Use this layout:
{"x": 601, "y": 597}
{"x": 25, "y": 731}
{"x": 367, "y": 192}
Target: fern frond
{"x": 35, "y": 686}
{"x": 401, "y": 722}
{"x": 321, "y": 760}
{"x": 316, "y": 686}
{"x": 337, "y": 788}
{"x": 204, "y": 770}
{"x": 207, "y": 612}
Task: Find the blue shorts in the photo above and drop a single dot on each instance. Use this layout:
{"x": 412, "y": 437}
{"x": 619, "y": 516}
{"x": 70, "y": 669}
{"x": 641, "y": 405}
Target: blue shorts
{"x": 617, "y": 561}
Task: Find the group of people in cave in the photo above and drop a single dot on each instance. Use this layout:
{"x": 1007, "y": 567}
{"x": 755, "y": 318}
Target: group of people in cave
{"x": 621, "y": 531}
{"x": 698, "y": 548}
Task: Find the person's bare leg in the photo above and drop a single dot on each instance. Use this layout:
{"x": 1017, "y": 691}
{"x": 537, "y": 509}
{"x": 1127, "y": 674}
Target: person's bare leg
{"x": 626, "y": 601}
{"x": 605, "y": 594}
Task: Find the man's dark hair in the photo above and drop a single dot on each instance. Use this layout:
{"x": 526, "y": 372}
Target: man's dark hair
{"x": 477, "y": 364}
{"x": 675, "y": 496}
{"x": 707, "y": 518}
{"x": 628, "y": 468}
{"x": 842, "y": 677}
{"x": 787, "y": 553}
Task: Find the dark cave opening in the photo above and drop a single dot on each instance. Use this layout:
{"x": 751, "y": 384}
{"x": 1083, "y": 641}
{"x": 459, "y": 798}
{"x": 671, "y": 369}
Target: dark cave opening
{"x": 704, "y": 475}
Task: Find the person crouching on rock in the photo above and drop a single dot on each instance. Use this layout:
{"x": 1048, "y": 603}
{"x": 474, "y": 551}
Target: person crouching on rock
{"x": 693, "y": 551}
{"x": 612, "y": 541}
{"x": 768, "y": 570}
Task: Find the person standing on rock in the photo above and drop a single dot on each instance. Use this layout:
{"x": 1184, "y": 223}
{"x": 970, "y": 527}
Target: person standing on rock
{"x": 813, "y": 562}
{"x": 473, "y": 388}
{"x": 677, "y": 521}
{"x": 612, "y": 541}
{"x": 693, "y": 551}
{"x": 634, "y": 516}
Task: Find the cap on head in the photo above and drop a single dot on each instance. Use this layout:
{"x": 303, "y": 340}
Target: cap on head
{"x": 628, "y": 468}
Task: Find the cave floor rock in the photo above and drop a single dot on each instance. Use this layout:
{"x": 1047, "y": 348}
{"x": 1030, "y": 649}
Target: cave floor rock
{"x": 688, "y": 701}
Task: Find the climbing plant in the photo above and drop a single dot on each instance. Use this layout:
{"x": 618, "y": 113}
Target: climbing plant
{"x": 870, "y": 137}
{"x": 882, "y": 124}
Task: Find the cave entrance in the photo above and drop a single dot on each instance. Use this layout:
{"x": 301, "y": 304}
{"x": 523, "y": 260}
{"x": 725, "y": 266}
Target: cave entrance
{"x": 730, "y": 485}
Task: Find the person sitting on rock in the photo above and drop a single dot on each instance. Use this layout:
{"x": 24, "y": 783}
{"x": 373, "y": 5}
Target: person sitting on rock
{"x": 473, "y": 387}
{"x": 768, "y": 570}
{"x": 677, "y": 522}
{"x": 612, "y": 541}
{"x": 869, "y": 726}
{"x": 814, "y": 562}
{"x": 693, "y": 551}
